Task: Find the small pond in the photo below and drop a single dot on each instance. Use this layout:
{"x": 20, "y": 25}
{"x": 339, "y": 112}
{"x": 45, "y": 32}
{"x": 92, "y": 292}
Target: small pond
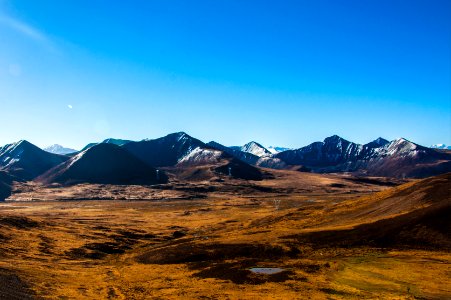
{"x": 267, "y": 271}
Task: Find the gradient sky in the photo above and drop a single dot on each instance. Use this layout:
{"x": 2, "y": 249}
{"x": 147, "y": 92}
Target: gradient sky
{"x": 283, "y": 73}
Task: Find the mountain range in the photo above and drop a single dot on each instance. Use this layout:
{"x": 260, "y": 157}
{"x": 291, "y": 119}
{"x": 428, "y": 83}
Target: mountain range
{"x": 441, "y": 146}
{"x": 179, "y": 156}
{"x": 398, "y": 158}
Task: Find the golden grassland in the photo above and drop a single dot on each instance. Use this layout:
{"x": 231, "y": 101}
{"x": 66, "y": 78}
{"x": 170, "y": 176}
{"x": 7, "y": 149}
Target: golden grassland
{"x": 203, "y": 248}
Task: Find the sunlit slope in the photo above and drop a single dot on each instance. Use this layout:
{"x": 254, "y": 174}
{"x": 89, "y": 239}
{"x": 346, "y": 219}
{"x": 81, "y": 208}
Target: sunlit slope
{"x": 412, "y": 215}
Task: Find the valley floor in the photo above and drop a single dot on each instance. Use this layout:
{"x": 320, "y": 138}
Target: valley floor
{"x": 204, "y": 248}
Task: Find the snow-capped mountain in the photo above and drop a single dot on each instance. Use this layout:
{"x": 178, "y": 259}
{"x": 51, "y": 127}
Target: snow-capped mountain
{"x": 275, "y": 149}
{"x": 441, "y": 146}
{"x": 267, "y": 160}
{"x": 58, "y": 149}
{"x": 201, "y": 155}
{"x": 253, "y": 148}
{"x": 235, "y": 152}
{"x": 399, "y": 158}
{"x": 183, "y": 154}
{"x": 26, "y": 161}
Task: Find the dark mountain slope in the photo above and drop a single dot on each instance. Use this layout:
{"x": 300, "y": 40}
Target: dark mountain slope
{"x": 399, "y": 158}
{"x": 118, "y": 142}
{"x": 165, "y": 151}
{"x": 27, "y": 161}
{"x": 6, "y": 181}
{"x": 333, "y": 151}
{"x": 104, "y": 163}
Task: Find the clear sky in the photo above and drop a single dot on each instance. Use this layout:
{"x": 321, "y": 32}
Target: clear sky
{"x": 283, "y": 73}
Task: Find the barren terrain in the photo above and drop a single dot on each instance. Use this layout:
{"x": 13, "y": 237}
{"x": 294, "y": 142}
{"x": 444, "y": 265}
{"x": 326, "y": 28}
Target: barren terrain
{"x": 333, "y": 236}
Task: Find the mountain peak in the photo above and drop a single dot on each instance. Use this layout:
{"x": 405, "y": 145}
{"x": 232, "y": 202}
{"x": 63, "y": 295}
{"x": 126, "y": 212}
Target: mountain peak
{"x": 256, "y": 149}
{"x": 58, "y": 149}
{"x": 179, "y": 134}
{"x": 381, "y": 140}
{"x": 333, "y": 139}
{"x": 401, "y": 145}
{"x": 402, "y": 140}
{"x": 22, "y": 143}
{"x": 175, "y": 135}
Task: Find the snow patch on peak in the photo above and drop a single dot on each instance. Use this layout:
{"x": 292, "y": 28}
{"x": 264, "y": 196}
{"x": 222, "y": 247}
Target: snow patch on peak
{"x": 256, "y": 149}
{"x": 201, "y": 155}
{"x": 275, "y": 149}
{"x": 58, "y": 149}
{"x": 401, "y": 146}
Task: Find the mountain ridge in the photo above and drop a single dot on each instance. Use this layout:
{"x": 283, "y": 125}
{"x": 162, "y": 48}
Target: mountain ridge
{"x": 27, "y": 161}
{"x": 104, "y": 163}
{"x": 398, "y": 158}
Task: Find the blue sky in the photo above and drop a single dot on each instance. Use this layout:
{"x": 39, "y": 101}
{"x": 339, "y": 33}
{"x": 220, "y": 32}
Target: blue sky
{"x": 283, "y": 73}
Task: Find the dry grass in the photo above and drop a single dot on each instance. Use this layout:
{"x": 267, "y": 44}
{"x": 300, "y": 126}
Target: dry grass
{"x": 203, "y": 248}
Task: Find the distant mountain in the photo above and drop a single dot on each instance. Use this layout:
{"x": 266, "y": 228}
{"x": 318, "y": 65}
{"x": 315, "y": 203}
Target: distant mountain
{"x": 379, "y": 142}
{"x": 118, "y": 142}
{"x": 253, "y": 148}
{"x": 398, "y": 158}
{"x": 165, "y": 151}
{"x": 27, "y": 161}
{"x": 402, "y": 158}
{"x": 440, "y": 146}
{"x": 235, "y": 152}
{"x": 334, "y": 150}
{"x": 58, "y": 149}
{"x": 265, "y": 161}
{"x": 104, "y": 163}
{"x": 275, "y": 149}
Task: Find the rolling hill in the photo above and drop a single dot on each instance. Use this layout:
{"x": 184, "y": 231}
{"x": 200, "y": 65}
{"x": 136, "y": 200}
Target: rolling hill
{"x": 414, "y": 215}
{"x": 104, "y": 163}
